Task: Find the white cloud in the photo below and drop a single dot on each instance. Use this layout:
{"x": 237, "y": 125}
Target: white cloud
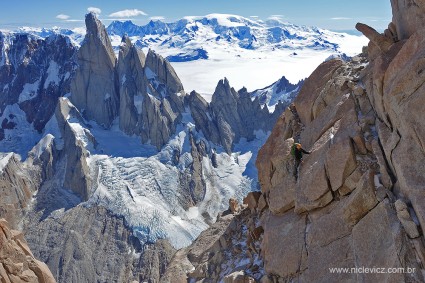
{"x": 157, "y": 18}
{"x": 340, "y": 18}
{"x": 62, "y": 17}
{"x": 276, "y": 17}
{"x": 94, "y": 10}
{"x": 128, "y": 13}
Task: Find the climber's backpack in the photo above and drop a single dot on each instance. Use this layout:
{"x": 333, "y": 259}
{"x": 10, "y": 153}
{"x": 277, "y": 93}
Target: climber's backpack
{"x": 293, "y": 148}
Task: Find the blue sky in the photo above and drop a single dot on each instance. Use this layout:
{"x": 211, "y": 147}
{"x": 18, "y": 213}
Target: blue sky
{"x": 329, "y": 14}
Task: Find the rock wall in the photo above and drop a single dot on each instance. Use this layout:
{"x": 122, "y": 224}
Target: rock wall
{"x": 94, "y": 87}
{"x": 407, "y": 17}
{"x": 17, "y": 263}
{"x": 89, "y": 244}
{"x": 76, "y": 177}
{"x": 231, "y": 115}
{"x": 17, "y": 187}
{"x": 33, "y": 74}
{"x": 358, "y": 200}
{"x": 151, "y": 95}
{"x": 394, "y": 84}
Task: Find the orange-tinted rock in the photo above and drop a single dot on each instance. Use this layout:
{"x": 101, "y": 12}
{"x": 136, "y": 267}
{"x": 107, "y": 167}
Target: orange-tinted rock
{"x": 407, "y": 17}
{"x": 262, "y": 203}
{"x": 405, "y": 219}
{"x": 283, "y": 244}
{"x": 362, "y": 200}
{"x": 381, "y": 41}
{"x": 340, "y": 163}
{"x": 252, "y": 200}
{"x": 17, "y": 264}
{"x": 312, "y": 87}
{"x": 233, "y": 205}
{"x": 272, "y": 148}
{"x": 378, "y": 240}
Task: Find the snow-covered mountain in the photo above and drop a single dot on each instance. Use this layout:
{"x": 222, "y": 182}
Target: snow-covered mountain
{"x": 282, "y": 90}
{"x": 250, "y": 53}
{"x": 103, "y": 132}
{"x": 92, "y": 132}
{"x": 192, "y": 33}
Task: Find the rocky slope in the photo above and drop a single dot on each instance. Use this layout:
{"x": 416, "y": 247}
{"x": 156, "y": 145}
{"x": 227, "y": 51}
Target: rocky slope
{"x": 358, "y": 200}
{"x": 17, "y": 263}
{"x": 228, "y": 251}
{"x": 17, "y": 186}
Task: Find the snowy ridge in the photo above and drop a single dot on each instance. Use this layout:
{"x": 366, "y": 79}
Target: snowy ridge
{"x": 4, "y": 160}
{"x": 204, "y": 49}
{"x": 76, "y": 35}
{"x": 282, "y": 90}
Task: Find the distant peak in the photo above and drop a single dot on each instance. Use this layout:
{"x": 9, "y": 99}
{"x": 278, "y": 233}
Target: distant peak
{"x": 156, "y": 21}
{"x": 93, "y": 24}
{"x": 225, "y": 82}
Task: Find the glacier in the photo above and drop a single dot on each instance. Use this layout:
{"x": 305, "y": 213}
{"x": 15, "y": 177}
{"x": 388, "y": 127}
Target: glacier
{"x": 135, "y": 181}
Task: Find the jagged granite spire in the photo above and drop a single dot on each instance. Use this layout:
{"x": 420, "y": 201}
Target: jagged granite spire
{"x": 236, "y": 115}
{"x": 93, "y": 90}
{"x": 151, "y": 95}
{"x": 165, "y": 72}
{"x": 132, "y": 82}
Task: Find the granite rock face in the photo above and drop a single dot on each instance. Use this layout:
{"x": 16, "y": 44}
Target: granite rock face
{"x": 231, "y": 115}
{"x": 17, "y": 185}
{"x": 130, "y": 66}
{"x": 394, "y": 85}
{"x": 17, "y": 263}
{"x": 407, "y": 17}
{"x": 92, "y": 245}
{"x": 33, "y": 74}
{"x": 94, "y": 87}
{"x": 76, "y": 172}
{"x": 151, "y": 95}
{"x": 359, "y": 189}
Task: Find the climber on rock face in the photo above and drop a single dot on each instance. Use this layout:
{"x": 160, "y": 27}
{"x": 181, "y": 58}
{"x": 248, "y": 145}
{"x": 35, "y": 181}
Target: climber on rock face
{"x": 297, "y": 151}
